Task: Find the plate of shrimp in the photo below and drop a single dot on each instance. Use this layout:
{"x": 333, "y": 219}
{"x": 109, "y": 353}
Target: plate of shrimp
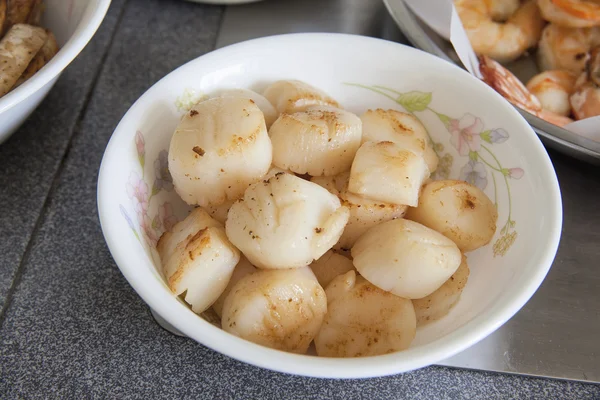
{"x": 543, "y": 56}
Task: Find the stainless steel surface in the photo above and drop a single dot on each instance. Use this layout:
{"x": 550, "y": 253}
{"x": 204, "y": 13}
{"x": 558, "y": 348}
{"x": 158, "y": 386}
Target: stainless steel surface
{"x": 557, "y": 333}
{"x": 426, "y": 39}
{"x": 362, "y": 17}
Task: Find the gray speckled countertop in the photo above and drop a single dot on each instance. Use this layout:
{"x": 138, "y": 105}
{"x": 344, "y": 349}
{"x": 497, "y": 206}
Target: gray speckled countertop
{"x": 71, "y": 326}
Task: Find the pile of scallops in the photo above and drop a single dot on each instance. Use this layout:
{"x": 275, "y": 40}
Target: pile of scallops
{"x": 315, "y": 225}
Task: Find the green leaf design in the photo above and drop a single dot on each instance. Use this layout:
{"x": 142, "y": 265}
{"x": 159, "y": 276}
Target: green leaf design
{"x": 136, "y": 235}
{"x": 156, "y": 223}
{"x": 486, "y": 135}
{"x": 155, "y": 190}
{"x": 414, "y": 101}
{"x": 473, "y": 155}
{"x": 142, "y": 159}
{"x": 445, "y": 119}
{"x": 505, "y": 171}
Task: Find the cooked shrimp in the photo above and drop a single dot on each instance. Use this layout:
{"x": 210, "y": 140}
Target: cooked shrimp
{"x": 585, "y": 100}
{"x": 566, "y": 48}
{"x": 510, "y": 87}
{"x": 503, "y": 41}
{"x": 571, "y": 13}
{"x": 554, "y": 118}
{"x": 553, "y": 88}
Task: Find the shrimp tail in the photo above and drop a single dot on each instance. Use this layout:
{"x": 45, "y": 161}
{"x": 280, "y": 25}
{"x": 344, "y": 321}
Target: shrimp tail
{"x": 509, "y": 86}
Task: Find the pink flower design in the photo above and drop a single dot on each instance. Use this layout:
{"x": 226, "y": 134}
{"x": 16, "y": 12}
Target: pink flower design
{"x": 137, "y": 190}
{"x": 516, "y": 173}
{"x": 465, "y": 133}
{"x": 147, "y": 230}
{"x": 167, "y": 218}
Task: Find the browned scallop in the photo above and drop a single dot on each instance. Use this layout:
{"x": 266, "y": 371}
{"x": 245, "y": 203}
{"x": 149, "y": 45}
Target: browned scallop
{"x": 318, "y": 141}
{"x": 458, "y": 210}
{"x": 405, "y": 258}
{"x": 401, "y": 128}
{"x": 330, "y": 265}
{"x": 364, "y": 213}
{"x": 285, "y": 222}
{"x": 290, "y": 96}
{"x": 197, "y": 259}
{"x": 242, "y": 269}
{"x": 219, "y": 148}
{"x": 440, "y": 302}
{"x": 388, "y": 172}
{"x": 363, "y": 320}
{"x": 280, "y": 309}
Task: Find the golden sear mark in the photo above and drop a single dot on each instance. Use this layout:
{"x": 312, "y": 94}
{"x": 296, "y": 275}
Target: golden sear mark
{"x": 198, "y": 150}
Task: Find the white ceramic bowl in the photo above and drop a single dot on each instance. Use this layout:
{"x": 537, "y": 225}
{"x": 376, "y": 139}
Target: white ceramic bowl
{"x": 479, "y": 136}
{"x": 73, "y": 22}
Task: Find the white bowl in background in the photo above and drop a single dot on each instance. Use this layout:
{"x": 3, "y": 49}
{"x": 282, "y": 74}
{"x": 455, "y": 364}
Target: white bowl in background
{"x": 479, "y": 136}
{"x": 73, "y": 22}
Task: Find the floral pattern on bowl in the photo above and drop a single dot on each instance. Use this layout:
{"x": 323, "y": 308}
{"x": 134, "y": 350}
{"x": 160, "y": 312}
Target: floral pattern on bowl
{"x": 149, "y": 223}
{"x": 472, "y": 142}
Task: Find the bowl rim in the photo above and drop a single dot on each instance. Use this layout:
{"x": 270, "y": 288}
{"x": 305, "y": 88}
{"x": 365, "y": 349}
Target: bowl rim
{"x": 94, "y": 15}
{"x": 215, "y": 338}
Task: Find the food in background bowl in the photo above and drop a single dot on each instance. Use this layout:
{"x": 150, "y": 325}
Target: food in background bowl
{"x": 73, "y": 23}
{"x": 477, "y": 137}
{"x": 24, "y": 47}
{"x": 503, "y": 31}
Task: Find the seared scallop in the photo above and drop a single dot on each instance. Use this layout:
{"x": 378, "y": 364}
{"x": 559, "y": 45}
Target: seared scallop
{"x": 285, "y": 222}
{"x": 440, "y": 302}
{"x": 405, "y": 258}
{"x": 220, "y": 211}
{"x": 330, "y": 265}
{"x": 318, "y": 141}
{"x": 364, "y": 213}
{"x": 388, "y": 173}
{"x": 401, "y": 128}
{"x": 242, "y": 269}
{"x": 292, "y": 95}
{"x": 280, "y": 309}
{"x": 197, "y": 259}
{"x": 265, "y": 106}
{"x": 219, "y": 148}
{"x": 363, "y": 320}
{"x": 458, "y": 210}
